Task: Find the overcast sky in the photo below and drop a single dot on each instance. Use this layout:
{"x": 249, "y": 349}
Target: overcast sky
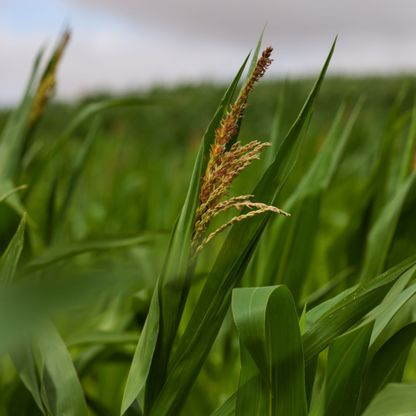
{"x": 122, "y": 44}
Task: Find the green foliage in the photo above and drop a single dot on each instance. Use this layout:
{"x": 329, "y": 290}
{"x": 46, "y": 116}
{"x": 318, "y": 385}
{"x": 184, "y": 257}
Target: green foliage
{"x": 105, "y": 311}
{"x": 272, "y": 377}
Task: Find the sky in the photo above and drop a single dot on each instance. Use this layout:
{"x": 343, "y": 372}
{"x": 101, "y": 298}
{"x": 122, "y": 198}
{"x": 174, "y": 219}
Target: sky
{"x": 118, "y": 45}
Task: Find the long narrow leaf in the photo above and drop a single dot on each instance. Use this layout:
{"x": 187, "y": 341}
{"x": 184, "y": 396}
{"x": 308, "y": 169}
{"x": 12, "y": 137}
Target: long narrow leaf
{"x": 169, "y": 304}
{"x": 381, "y": 235}
{"x": 268, "y": 327}
{"x": 60, "y": 386}
{"x": 228, "y": 269}
{"x": 10, "y": 258}
{"x": 350, "y": 308}
{"x": 388, "y": 363}
{"x": 346, "y": 359}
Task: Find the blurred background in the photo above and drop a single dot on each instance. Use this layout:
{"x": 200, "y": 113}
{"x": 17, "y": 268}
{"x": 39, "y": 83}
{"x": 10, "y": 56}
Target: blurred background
{"x": 120, "y": 45}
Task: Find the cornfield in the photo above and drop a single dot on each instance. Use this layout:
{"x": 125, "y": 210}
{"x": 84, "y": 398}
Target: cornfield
{"x": 228, "y": 275}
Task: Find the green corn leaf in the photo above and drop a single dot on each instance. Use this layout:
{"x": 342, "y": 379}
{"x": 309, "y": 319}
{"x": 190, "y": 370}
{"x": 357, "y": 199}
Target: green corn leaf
{"x": 391, "y": 184}
{"x": 394, "y": 400}
{"x": 276, "y": 135}
{"x": 25, "y": 365}
{"x": 103, "y": 338}
{"x": 388, "y": 363}
{"x": 10, "y": 258}
{"x": 8, "y": 265}
{"x": 21, "y": 356}
{"x": 89, "y": 111}
{"x": 381, "y": 234}
{"x": 349, "y": 308}
{"x": 47, "y": 371}
{"x": 346, "y": 358}
{"x": 77, "y": 169}
{"x": 51, "y": 207}
{"x": 56, "y": 217}
{"x": 56, "y": 366}
{"x": 298, "y": 234}
{"x": 326, "y": 161}
{"x": 378, "y": 184}
{"x": 13, "y": 199}
{"x": 228, "y": 269}
{"x": 227, "y": 408}
{"x": 398, "y": 162}
{"x": 409, "y": 149}
{"x": 20, "y": 126}
{"x": 255, "y": 56}
{"x": 42, "y": 94}
{"x": 59, "y": 253}
{"x": 60, "y": 387}
{"x": 391, "y": 297}
{"x": 318, "y": 296}
{"x": 393, "y": 317}
{"x": 313, "y": 315}
{"x": 12, "y": 141}
{"x": 315, "y": 387}
{"x": 9, "y": 192}
{"x": 13, "y": 136}
{"x": 272, "y": 377}
{"x": 143, "y": 356}
{"x": 176, "y": 269}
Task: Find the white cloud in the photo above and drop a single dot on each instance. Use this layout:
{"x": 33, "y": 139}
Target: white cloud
{"x": 123, "y": 44}
{"x": 239, "y": 21}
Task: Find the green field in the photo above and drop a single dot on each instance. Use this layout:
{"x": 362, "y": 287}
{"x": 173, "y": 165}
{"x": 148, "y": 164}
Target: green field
{"x": 308, "y": 314}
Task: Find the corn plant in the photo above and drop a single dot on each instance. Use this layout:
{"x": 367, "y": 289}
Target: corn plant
{"x": 239, "y": 320}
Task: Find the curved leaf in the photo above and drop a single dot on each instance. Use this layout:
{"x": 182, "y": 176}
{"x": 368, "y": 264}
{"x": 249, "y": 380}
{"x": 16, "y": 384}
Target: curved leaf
{"x": 394, "y": 400}
{"x": 388, "y": 363}
{"x": 349, "y": 308}
{"x": 177, "y": 270}
{"x": 272, "y": 377}
{"x": 10, "y": 258}
{"x": 346, "y": 358}
{"x": 228, "y": 269}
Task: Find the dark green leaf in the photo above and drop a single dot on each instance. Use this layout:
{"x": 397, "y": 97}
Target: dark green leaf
{"x": 228, "y": 269}
{"x": 274, "y": 381}
{"x": 346, "y": 358}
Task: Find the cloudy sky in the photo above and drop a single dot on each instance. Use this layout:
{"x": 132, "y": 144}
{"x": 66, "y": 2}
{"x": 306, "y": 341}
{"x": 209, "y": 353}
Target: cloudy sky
{"x": 120, "y": 44}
